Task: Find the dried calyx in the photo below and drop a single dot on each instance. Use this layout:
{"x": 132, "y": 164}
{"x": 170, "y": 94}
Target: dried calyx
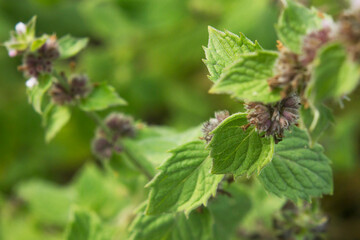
{"x": 292, "y": 69}
{"x": 41, "y": 61}
{"x": 349, "y": 31}
{"x": 118, "y": 126}
{"x": 210, "y": 125}
{"x": 273, "y": 119}
{"x": 66, "y": 91}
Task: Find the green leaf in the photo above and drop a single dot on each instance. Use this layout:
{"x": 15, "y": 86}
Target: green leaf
{"x": 198, "y": 226}
{"x": 246, "y": 78}
{"x": 237, "y": 151}
{"x": 30, "y": 28}
{"x": 334, "y": 74}
{"x": 101, "y": 97}
{"x": 223, "y": 49}
{"x": 49, "y": 203}
{"x": 298, "y": 171}
{"x": 294, "y": 23}
{"x": 99, "y": 192}
{"x": 226, "y": 218}
{"x": 38, "y": 42}
{"x": 54, "y": 119}
{"x": 85, "y": 225}
{"x": 316, "y": 120}
{"x": 184, "y": 182}
{"x": 36, "y": 93}
{"x": 70, "y": 46}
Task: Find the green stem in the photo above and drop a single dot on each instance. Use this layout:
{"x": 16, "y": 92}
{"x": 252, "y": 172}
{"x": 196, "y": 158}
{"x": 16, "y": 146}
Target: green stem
{"x": 137, "y": 164}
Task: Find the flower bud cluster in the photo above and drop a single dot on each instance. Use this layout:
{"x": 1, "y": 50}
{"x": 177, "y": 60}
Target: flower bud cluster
{"x": 293, "y": 220}
{"x": 274, "y": 119}
{"x": 119, "y": 126}
{"x": 292, "y": 69}
{"x": 66, "y": 91}
{"x": 210, "y": 125}
{"x": 349, "y": 31}
{"x": 41, "y": 61}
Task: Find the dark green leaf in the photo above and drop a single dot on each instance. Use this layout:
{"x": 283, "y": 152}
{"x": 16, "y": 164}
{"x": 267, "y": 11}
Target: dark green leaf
{"x": 237, "y": 151}
{"x": 298, "y": 171}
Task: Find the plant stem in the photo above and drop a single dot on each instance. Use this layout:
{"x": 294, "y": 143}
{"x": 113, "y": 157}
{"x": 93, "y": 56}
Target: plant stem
{"x": 137, "y": 164}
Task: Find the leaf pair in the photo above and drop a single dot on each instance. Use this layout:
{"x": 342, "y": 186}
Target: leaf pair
{"x": 239, "y": 67}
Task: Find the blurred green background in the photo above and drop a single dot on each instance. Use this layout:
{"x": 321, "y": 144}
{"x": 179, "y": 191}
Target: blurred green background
{"x": 151, "y": 51}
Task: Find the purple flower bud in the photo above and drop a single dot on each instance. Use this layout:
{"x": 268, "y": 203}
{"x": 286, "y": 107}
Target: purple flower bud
{"x": 210, "y": 125}
{"x": 102, "y": 148}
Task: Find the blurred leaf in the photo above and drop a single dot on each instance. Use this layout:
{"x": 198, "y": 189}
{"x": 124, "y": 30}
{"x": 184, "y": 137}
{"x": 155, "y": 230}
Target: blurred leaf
{"x": 325, "y": 118}
{"x": 54, "y": 119}
{"x": 185, "y": 181}
{"x": 246, "y": 78}
{"x": 154, "y": 142}
{"x": 223, "y": 49}
{"x": 47, "y": 202}
{"x": 334, "y": 75}
{"x": 237, "y": 151}
{"x": 294, "y": 23}
{"x": 198, "y": 226}
{"x": 70, "y": 46}
{"x": 85, "y": 225}
{"x": 99, "y": 192}
{"x": 36, "y": 93}
{"x": 38, "y": 42}
{"x": 226, "y": 218}
{"x": 30, "y": 28}
{"x": 101, "y": 97}
{"x": 298, "y": 171}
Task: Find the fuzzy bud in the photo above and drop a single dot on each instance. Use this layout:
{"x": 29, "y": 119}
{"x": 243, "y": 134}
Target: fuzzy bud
{"x": 41, "y": 61}
{"x": 59, "y": 94}
{"x": 13, "y": 53}
{"x": 274, "y": 119}
{"x": 291, "y": 75}
{"x": 20, "y": 28}
{"x": 32, "y": 82}
{"x": 79, "y": 87}
{"x": 120, "y": 125}
{"x": 349, "y": 32}
{"x": 210, "y": 125}
{"x": 102, "y": 148}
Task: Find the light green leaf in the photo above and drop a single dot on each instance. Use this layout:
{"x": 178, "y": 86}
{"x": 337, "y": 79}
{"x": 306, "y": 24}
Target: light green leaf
{"x": 54, "y": 119}
{"x": 198, "y": 226}
{"x": 30, "y": 28}
{"x": 49, "y": 203}
{"x": 85, "y": 225}
{"x": 223, "y": 207}
{"x": 223, "y": 49}
{"x": 101, "y": 97}
{"x": 99, "y": 192}
{"x": 155, "y": 148}
{"x": 323, "y": 120}
{"x": 298, "y": 171}
{"x": 36, "y": 93}
{"x": 294, "y": 23}
{"x": 185, "y": 181}
{"x": 246, "y": 78}
{"x": 38, "y": 42}
{"x": 334, "y": 74}
{"x": 237, "y": 151}
{"x": 70, "y": 46}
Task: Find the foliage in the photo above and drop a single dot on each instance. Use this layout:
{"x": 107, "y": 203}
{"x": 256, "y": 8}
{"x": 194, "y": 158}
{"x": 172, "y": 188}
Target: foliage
{"x": 191, "y": 184}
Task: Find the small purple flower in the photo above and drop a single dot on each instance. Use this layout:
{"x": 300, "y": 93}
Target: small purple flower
{"x": 210, "y": 125}
{"x": 274, "y": 119}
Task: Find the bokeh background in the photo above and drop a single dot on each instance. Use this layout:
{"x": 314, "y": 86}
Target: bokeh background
{"x": 151, "y": 51}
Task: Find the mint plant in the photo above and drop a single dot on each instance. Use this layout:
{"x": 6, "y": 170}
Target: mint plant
{"x": 256, "y": 173}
